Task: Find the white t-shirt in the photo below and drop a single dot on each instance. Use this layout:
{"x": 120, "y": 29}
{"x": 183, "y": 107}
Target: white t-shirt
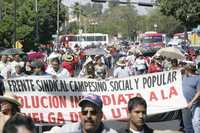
{"x": 14, "y": 63}
{"x": 121, "y": 73}
{"x": 61, "y": 73}
{"x": 133, "y": 131}
{"x": 6, "y": 71}
{"x": 2, "y": 65}
{"x": 140, "y": 64}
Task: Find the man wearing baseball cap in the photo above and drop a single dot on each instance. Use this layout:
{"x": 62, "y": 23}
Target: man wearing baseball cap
{"x": 91, "y": 117}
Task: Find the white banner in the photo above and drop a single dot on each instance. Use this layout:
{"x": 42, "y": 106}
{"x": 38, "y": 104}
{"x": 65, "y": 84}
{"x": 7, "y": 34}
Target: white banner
{"x": 56, "y": 101}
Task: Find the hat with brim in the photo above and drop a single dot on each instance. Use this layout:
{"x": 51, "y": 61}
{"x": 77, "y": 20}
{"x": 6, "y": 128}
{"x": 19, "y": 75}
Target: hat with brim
{"x": 94, "y": 99}
{"x": 88, "y": 60}
{"x": 9, "y": 97}
{"x": 121, "y": 63}
{"x": 68, "y": 58}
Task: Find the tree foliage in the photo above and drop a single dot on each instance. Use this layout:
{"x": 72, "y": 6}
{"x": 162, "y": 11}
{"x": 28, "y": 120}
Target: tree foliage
{"x": 122, "y": 19}
{"x": 26, "y": 21}
{"x": 165, "y": 24}
{"x": 186, "y": 11}
{"x": 119, "y": 19}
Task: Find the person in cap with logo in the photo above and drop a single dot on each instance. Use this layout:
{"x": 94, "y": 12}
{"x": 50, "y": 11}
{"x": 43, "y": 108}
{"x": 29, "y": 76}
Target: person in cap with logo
{"x": 91, "y": 118}
{"x": 121, "y": 70}
{"x": 9, "y": 107}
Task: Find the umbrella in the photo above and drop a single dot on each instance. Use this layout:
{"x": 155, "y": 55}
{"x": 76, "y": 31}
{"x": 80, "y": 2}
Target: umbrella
{"x": 35, "y": 55}
{"x": 2, "y": 49}
{"x": 95, "y": 51}
{"x": 12, "y": 51}
{"x": 171, "y": 52}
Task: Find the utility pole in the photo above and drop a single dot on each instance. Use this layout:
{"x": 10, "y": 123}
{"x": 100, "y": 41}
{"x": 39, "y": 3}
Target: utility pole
{"x": 58, "y": 19}
{"x": 58, "y": 12}
{"x": 37, "y": 23}
{"x": 15, "y": 19}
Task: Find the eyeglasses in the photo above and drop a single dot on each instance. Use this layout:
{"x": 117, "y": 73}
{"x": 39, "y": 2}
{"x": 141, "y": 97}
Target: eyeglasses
{"x": 92, "y": 112}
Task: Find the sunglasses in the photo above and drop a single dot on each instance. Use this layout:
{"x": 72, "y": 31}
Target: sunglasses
{"x": 92, "y": 112}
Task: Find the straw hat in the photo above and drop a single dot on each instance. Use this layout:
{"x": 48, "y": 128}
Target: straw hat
{"x": 9, "y": 97}
{"x": 89, "y": 59}
{"x": 121, "y": 62}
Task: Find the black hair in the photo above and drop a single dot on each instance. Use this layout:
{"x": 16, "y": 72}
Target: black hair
{"x": 136, "y": 101}
{"x": 174, "y": 62}
{"x": 18, "y": 120}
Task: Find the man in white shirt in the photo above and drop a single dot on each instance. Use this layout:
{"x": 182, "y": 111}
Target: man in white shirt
{"x": 17, "y": 61}
{"x": 5, "y": 67}
{"x": 121, "y": 70}
{"x": 140, "y": 64}
{"x": 56, "y": 71}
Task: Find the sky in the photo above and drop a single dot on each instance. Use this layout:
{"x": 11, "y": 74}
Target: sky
{"x": 141, "y": 10}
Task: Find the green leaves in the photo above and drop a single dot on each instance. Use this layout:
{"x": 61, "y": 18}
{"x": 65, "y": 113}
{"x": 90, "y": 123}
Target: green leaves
{"x": 186, "y": 11}
{"x": 26, "y": 21}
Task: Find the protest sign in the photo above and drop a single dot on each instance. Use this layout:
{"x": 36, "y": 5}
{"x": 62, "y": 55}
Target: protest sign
{"x": 56, "y": 101}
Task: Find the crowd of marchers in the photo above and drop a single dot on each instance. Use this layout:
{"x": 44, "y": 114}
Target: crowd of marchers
{"x": 110, "y": 61}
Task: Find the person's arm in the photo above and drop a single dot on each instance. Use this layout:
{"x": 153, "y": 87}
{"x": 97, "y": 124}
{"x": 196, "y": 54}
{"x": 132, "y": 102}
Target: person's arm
{"x": 197, "y": 95}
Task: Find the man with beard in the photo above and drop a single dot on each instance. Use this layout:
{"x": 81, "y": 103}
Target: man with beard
{"x": 91, "y": 118}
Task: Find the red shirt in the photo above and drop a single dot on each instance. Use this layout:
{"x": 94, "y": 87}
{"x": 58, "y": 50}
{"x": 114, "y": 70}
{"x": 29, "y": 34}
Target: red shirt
{"x": 69, "y": 66}
{"x": 153, "y": 68}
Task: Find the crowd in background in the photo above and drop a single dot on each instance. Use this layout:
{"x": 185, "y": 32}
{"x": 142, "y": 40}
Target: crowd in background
{"x": 114, "y": 61}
